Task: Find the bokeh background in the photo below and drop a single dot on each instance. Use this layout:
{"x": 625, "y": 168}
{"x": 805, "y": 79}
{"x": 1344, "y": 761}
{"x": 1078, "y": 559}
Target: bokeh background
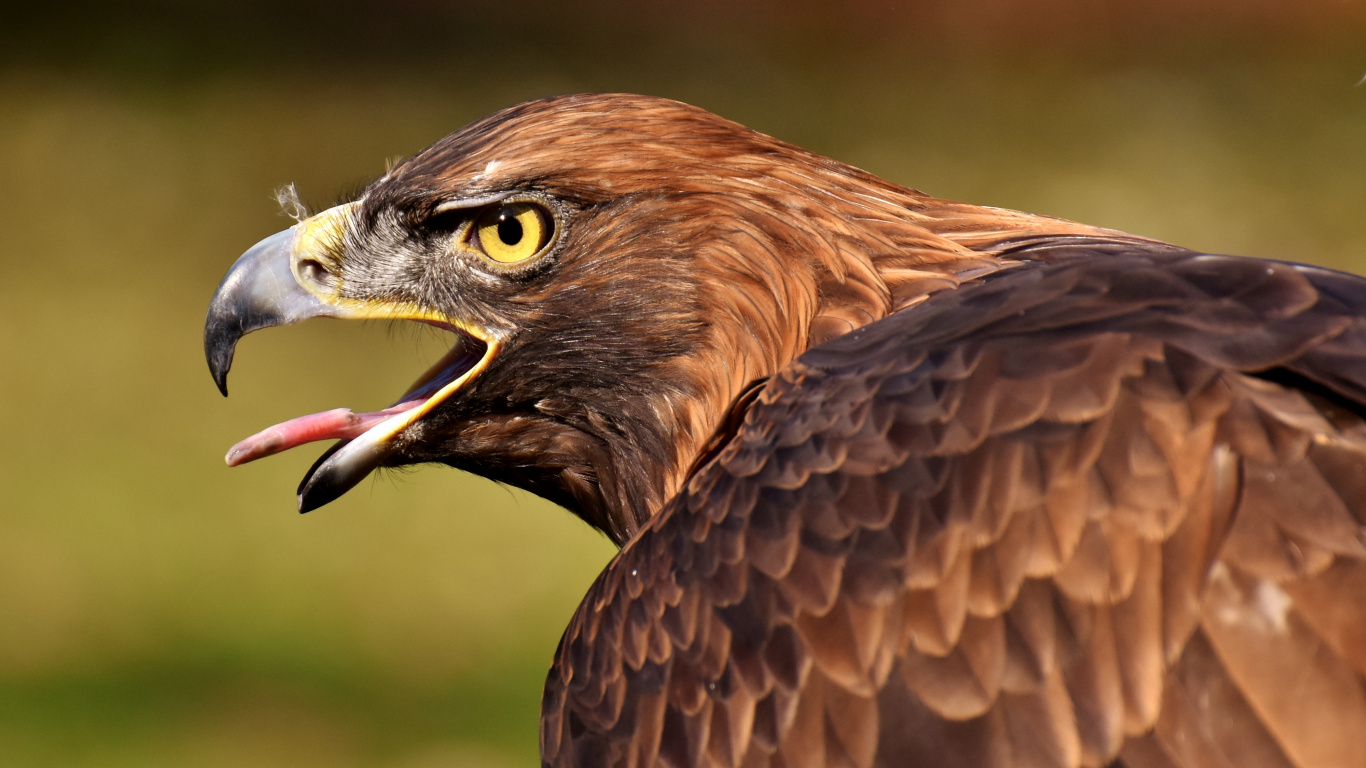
{"x": 157, "y": 609}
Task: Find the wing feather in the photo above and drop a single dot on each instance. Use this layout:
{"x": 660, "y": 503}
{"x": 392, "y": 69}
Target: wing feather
{"x": 1105, "y": 506}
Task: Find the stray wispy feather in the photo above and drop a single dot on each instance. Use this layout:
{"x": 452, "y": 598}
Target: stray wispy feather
{"x": 290, "y": 204}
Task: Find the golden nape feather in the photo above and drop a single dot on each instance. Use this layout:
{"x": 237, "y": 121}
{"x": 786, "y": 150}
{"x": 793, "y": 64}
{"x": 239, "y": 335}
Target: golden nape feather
{"x": 898, "y": 481}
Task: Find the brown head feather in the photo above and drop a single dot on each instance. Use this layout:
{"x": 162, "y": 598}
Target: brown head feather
{"x": 698, "y": 256}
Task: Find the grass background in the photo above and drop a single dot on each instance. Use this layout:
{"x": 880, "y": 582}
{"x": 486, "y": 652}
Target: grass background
{"x": 157, "y": 609}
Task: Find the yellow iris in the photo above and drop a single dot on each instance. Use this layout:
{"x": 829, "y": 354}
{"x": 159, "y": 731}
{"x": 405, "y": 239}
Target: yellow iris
{"x": 512, "y": 233}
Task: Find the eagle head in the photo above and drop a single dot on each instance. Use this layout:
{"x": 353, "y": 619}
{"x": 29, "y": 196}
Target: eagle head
{"x": 614, "y": 270}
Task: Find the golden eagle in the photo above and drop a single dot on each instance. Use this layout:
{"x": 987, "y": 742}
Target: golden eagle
{"x": 897, "y": 481}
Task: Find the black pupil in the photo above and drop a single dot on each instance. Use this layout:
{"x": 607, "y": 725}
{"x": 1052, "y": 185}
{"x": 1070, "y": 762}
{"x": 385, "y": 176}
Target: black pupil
{"x": 509, "y": 230}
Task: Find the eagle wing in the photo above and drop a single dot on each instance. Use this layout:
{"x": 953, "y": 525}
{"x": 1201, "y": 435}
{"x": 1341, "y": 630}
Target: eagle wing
{"x": 1107, "y": 503}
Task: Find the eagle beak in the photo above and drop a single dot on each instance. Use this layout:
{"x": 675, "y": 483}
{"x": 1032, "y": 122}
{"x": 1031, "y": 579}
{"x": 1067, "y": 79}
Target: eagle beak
{"x": 258, "y": 292}
{"x": 296, "y": 275}
{"x": 264, "y": 287}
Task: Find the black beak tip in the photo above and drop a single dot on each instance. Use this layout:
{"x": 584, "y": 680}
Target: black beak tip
{"x": 220, "y": 341}
{"x": 315, "y": 490}
{"x": 313, "y": 496}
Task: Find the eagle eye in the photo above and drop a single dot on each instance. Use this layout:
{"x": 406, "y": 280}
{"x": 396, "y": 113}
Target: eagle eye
{"x": 512, "y": 232}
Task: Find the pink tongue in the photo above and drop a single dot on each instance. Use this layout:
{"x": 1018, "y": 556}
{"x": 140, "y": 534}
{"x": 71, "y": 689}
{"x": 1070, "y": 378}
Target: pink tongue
{"x": 336, "y": 424}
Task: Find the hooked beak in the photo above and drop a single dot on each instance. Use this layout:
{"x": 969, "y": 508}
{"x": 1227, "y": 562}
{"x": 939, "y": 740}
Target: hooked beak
{"x": 296, "y": 275}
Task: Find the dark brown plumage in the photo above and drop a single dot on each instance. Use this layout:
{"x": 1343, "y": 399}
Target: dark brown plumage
{"x": 899, "y": 481}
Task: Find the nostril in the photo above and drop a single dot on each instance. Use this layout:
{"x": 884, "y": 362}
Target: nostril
{"x": 314, "y": 272}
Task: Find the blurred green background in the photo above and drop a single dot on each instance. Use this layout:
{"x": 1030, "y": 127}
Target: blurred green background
{"x": 157, "y": 609}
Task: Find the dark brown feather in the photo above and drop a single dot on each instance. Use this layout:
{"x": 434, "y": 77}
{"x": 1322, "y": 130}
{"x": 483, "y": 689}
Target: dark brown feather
{"x": 1052, "y": 518}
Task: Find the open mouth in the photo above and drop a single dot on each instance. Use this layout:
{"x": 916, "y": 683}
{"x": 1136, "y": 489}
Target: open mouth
{"x": 439, "y": 381}
{"x": 366, "y": 440}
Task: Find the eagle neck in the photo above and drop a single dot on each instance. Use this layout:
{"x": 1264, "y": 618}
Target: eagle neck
{"x": 772, "y": 290}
